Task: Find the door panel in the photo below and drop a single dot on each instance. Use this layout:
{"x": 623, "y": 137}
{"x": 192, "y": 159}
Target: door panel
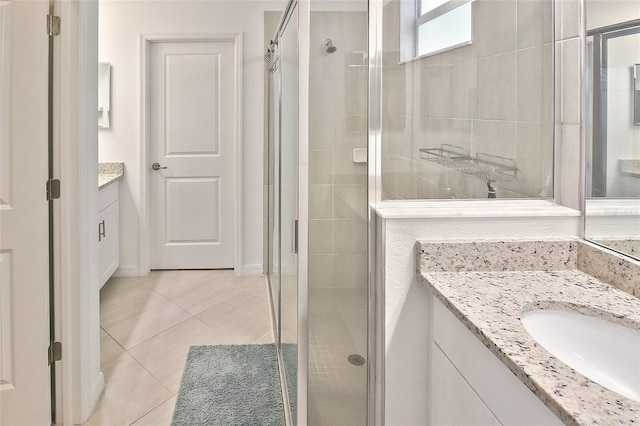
{"x": 25, "y": 397}
{"x": 192, "y": 104}
{"x": 190, "y": 216}
{"x": 193, "y": 117}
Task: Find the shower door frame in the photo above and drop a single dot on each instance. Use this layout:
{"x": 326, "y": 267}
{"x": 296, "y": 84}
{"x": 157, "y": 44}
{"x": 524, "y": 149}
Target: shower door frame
{"x": 303, "y": 8}
{"x": 601, "y": 37}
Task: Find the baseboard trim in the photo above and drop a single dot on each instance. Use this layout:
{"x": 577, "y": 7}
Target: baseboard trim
{"x": 254, "y": 269}
{"x": 127, "y": 271}
{"x": 94, "y": 395}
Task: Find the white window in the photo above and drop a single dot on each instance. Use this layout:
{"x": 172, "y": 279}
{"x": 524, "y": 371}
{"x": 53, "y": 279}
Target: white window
{"x": 441, "y": 25}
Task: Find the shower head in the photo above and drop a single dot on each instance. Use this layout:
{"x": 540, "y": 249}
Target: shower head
{"x": 329, "y": 45}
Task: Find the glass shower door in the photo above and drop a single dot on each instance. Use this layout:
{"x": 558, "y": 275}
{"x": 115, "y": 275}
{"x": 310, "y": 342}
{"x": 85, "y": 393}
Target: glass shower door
{"x": 274, "y": 193}
{"x": 283, "y": 198}
{"x": 288, "y": 71}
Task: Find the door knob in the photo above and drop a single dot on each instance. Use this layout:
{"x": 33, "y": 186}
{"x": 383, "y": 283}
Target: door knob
{"x": 156, "y": 166}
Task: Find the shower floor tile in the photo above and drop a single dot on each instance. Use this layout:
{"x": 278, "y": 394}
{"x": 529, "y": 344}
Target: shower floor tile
{"x": 337, "y": 329}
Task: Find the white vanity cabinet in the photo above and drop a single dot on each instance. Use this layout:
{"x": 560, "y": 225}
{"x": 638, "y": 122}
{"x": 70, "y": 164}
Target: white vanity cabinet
{"x": 108, "y": 231}
{"x": 470, "y": 385}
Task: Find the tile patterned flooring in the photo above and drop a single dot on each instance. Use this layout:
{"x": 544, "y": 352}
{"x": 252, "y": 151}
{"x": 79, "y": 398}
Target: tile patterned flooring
{"x": 337, "y": 329}
{"x": 147, "y": 325}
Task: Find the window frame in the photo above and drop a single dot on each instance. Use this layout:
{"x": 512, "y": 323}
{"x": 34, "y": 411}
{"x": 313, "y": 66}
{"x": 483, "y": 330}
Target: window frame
{"x": 432, "y": 14}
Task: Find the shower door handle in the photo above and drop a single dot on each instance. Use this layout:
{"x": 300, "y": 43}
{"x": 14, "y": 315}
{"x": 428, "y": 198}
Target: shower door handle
{"x": 294, "y": 242}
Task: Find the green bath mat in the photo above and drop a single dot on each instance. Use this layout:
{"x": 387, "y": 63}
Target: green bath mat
{"x": 230, "y": 385}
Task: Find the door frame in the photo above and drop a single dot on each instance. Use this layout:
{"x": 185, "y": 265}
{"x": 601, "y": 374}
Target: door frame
{"x": 145, "y": 186}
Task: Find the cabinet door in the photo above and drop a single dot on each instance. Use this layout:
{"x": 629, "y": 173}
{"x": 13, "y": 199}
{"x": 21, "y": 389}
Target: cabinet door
{"x": 453, "y": 401}
{"x": 109, "y": 240}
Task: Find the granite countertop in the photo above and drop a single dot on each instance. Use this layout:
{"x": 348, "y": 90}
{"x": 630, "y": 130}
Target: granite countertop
{"x": 109, "y": 172}
{"x": 474, "y": 283}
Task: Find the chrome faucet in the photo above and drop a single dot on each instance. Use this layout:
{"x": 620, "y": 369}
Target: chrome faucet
{"x": 491, "y": 189}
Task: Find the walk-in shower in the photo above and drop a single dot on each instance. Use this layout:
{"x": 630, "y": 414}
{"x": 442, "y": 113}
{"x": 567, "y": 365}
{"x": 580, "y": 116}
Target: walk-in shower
{"x": 384, "y": 115}
{"x": 332, "y": 362}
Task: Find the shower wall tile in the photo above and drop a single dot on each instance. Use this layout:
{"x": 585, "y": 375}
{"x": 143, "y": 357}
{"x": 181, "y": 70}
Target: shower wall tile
{"x": 494, "y": 27}
{"x": 389, "y": 176}
{"x": 396, "y": 91}
{"x": 320, "y": 236}
{"x": 349, "y": 270}
{"x": 497, "y": 87}
{"x": 321, "y": 270}
{"x": 350, "y": 131}
{"x": 495, "y": 137}
{"x": 338, "y": 123}
{"x": 463, "y": 89}
{"x": 356, "y": 97}
{"x": 568, "y": 26}
{"x": 534, "y": 23}
{"x": 427, "y": 170}
{"x": 534, "y": 84}
{"x": 429, "y": 189}
{"x": 431, "y": 97}
{"x": 327, "y": 66}
{"x": 320, "y": 167}
{"x": 342, "y": 27}
{"x": 345, "y": 170}
{"x": 320, "y": 201}
{"x": 427, "y": 133}
{"x": 325, "y": 97}
{"x": 458, "y": 132}
{"x": 407, "y": 184}
{"x": 570, "y": 84}
{"x": 534, "y": 147}
{"x": 321, "y": 132}
{"x": 570, "y": 152}
{"x": 350, "y": 235}
{"x": 350, "y": 201}
{"x": 474, "y": 96}
{"x": 461, "y": 54}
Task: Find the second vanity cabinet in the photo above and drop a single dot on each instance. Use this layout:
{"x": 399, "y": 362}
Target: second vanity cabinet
{"x": 108, "y": 230}
{"x": 469, "y": 385}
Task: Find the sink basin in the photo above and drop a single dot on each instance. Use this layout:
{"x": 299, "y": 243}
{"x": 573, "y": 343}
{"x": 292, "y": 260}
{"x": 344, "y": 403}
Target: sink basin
{"x": 605, "y": 352}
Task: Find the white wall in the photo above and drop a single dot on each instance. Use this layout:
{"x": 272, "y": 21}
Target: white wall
{"x": 121, "y": 23}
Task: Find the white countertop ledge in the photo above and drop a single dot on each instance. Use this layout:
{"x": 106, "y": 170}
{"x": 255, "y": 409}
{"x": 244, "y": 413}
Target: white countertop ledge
{"x": 472, "y": 209}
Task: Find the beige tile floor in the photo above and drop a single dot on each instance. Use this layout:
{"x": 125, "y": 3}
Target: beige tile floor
{"x": 148, "y": 324}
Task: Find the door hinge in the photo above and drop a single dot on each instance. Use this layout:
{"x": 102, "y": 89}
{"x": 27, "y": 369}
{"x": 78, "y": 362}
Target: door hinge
{"x": 53, "y": 25}
{"x": 55, "y": 352}
{"x": 53, "y": 189}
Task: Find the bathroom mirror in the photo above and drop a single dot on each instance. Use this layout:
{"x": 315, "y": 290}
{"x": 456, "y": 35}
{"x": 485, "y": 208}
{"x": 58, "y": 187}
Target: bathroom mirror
{"x": 104, "y": 95}
{"x": 612, "y": 130}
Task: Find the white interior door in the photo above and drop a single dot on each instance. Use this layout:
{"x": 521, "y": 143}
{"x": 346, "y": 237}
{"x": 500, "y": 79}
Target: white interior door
{"x": 193, "y": 135}
{"x": 25, "y": 397}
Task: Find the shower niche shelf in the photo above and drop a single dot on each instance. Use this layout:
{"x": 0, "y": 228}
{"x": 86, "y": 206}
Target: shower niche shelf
{"x": 484, "y": 166}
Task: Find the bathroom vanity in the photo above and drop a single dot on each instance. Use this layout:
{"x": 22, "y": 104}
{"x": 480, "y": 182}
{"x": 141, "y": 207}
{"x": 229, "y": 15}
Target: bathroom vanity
{"x": 108, "y": 226}
{"x": 485, "y": 367}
